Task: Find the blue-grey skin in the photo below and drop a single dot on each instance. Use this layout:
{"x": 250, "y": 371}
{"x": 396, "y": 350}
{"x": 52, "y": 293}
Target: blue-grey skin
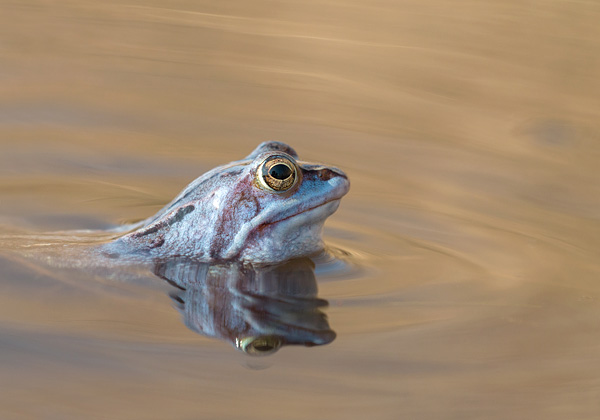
{"x": 230, "y": 213}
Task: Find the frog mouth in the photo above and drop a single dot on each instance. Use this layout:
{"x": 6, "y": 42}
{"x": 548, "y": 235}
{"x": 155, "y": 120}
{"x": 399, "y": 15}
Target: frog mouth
{"x": 305, "y": 211}
{"x": 325, "y": 204}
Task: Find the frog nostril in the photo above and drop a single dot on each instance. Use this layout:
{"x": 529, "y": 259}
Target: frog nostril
{"x": 326, "y": 174}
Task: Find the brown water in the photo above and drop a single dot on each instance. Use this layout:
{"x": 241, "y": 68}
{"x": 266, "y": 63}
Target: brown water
{"x": 470, "y": 131}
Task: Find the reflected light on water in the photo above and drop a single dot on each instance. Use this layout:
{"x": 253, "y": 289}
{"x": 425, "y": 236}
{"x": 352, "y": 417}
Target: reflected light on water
{"x": 464, "y": 282}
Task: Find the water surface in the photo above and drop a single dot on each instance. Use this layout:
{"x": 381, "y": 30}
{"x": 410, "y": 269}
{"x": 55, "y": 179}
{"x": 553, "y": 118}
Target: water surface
{"x": 470, "y": 132}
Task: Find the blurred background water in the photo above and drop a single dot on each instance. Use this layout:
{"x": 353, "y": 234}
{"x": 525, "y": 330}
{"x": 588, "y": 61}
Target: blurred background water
{"x": 470, "y": 132}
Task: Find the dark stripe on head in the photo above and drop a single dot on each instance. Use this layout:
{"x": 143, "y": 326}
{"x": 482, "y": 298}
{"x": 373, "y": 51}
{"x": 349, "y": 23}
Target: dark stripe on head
{"x": 170, "y": 221}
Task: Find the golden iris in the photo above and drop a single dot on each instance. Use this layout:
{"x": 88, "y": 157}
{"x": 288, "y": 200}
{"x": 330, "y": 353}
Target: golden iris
{"x": 259, "y": 346}
{"x": 278, "y": 173}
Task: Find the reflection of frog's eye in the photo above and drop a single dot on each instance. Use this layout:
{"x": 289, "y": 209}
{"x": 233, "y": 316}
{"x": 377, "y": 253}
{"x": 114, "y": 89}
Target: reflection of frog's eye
{"x": 259, "y": 346}
{"x": 278, "y": 173}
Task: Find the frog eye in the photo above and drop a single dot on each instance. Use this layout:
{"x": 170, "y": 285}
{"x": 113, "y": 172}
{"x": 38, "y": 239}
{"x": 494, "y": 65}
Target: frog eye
{"x": 259, "y": 346}
{"x": 277, "y": 173}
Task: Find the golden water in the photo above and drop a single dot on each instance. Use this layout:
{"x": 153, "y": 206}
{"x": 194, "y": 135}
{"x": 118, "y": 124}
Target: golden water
{"x": 471, "y": 134}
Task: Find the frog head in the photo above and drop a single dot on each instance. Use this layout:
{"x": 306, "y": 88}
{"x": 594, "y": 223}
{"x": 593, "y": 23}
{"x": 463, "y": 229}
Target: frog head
{"x": 268, "y": 207}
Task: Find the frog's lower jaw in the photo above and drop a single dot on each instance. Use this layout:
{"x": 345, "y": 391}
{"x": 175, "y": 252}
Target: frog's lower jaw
{"x": 295, "y": 236}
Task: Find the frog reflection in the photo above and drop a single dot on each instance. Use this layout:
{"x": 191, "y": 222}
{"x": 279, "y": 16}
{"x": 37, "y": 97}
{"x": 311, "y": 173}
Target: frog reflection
{"x": 258, "y": 310}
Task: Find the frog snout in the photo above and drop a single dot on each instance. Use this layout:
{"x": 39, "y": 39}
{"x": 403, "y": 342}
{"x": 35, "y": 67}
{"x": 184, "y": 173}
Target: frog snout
{"x": 325, "y": 174}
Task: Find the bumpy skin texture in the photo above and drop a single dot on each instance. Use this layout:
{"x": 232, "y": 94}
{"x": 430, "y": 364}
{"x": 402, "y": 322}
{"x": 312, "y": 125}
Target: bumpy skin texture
{"x": 229, "y": 214}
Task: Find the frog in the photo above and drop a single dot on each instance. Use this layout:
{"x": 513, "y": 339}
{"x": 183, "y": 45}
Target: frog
{"x": 266, "y": 208}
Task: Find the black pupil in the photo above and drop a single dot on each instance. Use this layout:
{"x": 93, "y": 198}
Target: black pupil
{"x": 263, "y": 347}
{"x": 280, "y": 171}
